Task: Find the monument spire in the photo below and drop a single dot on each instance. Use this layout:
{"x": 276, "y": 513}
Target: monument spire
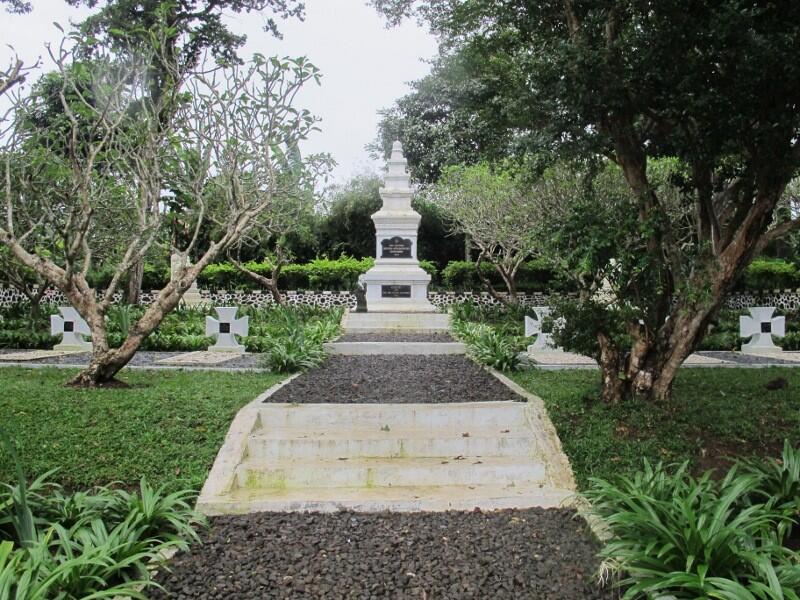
{"x": 396, "y": 283}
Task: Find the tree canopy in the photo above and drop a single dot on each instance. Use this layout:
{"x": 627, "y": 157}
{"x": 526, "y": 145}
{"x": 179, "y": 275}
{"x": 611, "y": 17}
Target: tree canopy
{"x": 713, "y": 85}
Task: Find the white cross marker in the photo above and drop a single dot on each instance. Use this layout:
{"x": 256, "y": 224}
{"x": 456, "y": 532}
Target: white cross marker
{"x": 544, "y": 341}
{"x": 72, "y": 327}
{"x": 226, "y": 329}
{"x": 761, "y": 325}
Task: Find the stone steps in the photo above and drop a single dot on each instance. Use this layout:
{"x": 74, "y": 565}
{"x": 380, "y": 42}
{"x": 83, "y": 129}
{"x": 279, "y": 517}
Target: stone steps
{"x": 387, "y": 322}
{"x": 454, "y": 417}
{"x": 302, "y": 444}
{"x": 364, "y": 348}
{"x": 376, "y": 457}
{"x": 368, "y": 473}
{"x": 396, "y": 499}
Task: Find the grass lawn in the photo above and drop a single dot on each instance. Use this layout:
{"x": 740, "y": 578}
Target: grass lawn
{"x": 167, "y": 426}
{"x": 715, "y": 414}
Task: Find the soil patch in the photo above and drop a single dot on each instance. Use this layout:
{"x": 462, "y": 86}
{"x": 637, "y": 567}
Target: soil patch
{"x": 520, "y": 554}
{"x": 395, "y": 378}
{"x": 397, "y": 337}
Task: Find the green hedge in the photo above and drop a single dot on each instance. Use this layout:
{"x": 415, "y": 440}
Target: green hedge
{"x": 319, "y": 274}
{"x": 343, "y": 273}
{"x": 533, "y": 276}
{"x": 770, "y": 274}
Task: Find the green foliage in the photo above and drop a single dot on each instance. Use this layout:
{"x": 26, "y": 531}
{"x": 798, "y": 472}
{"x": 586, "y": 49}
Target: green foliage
{"x": 496, "y": 351}
{"x": 493, "y": 334}
{"x": 724, "y": 331}
{"x": 533, "y": 276}
{"x": 684, "y": 537}
{"x": 20, "y": 329}
{"x": 300, "y": 347}
{"x": 100, "y": 543}
{"x": 778, "y": 480}
{"x": 166, "y": 427}
{"x": 771, "y": 274}
{"x": 714, "y": 415}
{"x": 319, "y": 274}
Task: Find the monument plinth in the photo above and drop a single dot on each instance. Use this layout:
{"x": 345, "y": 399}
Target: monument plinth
{"x": 396, "y": 283}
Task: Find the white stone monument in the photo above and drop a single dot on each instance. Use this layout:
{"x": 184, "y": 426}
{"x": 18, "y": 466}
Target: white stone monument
{"x": 191, "y": 297}
{"x": 71, "y": 326}
{"x": 544, "y": 341}
{"x": 761, "y": 325}
{"x": 396, "y": 283}
{"x": 226, "y": 328}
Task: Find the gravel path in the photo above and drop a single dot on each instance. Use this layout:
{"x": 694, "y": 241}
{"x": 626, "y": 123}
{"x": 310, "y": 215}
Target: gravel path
{"x": 148, "y": 359}
{"x": 396, "y": 337}
{"x": 746, "y": 359}
{"x": 394, "y": 378}
{"x": 515, "y": 554}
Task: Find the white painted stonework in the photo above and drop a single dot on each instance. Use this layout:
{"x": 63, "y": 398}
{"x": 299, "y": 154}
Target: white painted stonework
{"x": 761, "y": 325}
{"x": 72, "y": 327}
{"x": 226, "y": 328}
{"x": 191, "y": 297}
{"x": 544, "y": 341}
{"x": 396, "y": 283}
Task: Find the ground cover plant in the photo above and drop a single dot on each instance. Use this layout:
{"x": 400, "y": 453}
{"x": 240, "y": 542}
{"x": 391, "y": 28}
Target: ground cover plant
{"x": 678, "y": 536}
{"x": 493, "y": 335}
{"x": 166, "y": 427}
{"x": 99, "y": 543}
{"x": 715, "y": 415}
{"x": 181, "y": 330}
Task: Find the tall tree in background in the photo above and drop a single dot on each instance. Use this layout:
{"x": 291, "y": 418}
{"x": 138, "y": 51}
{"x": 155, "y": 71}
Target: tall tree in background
{"x": 714, "y": 84}
{"x": 196, "y": 28}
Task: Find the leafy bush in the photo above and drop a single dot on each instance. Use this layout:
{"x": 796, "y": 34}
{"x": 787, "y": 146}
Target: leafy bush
{"x": 293, "y": 353}
{"x": 488, "y": 345}
{"x": 533, "y": 276}
{"x": 778, "y": 480}
{"x": 300, "y": 345}
{"x": 770, "y": 274}
{"x": 495, "y": 350}
{"x": 682, "y": 537}
{"x": 100, "y": 543}
{"x": 319, "y": 274}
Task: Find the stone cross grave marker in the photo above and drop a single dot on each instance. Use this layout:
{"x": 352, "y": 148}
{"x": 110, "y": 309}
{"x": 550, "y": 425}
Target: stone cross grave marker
{"x": 226, "y": 328}
{"x": 71, "y": 326}
{"x": 544, "y": 341}
{"x": 761, "y": 325}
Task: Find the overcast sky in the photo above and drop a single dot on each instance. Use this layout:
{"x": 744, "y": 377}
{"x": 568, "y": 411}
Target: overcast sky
{"x": 365, "y": 66}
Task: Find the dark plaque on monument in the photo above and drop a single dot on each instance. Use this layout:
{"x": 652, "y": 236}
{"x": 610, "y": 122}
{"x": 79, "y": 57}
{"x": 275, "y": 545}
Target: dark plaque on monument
{"x": 395, "y": 291}
{"x": 396, "y": 247}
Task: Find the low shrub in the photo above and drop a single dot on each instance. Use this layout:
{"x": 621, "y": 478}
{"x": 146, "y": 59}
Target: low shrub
{"x": 770, "y": 274}
{"x": 677, "y": 536}
{"x": 533, "y": 276}
{"x": 100, "y": 543}
{"x": 495, "y": 350}
{"x": 487, "y": 345}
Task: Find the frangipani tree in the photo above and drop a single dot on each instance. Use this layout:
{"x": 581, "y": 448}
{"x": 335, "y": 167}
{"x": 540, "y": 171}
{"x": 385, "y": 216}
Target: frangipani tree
{"x": 497, "y": 213}
{"x": 222, "y": 145}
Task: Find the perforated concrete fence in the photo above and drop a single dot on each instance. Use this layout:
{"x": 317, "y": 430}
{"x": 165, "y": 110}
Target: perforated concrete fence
{"x": 781, "y": 299}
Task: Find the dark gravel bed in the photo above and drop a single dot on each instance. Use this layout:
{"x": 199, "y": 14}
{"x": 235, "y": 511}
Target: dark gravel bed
{"x": 396, "y": 337}
{"x": 520, "y": 554}
{"x": 394, "y": 378}
{"x": 148, "y": 359}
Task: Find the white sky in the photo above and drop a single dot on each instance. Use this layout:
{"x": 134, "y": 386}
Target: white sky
{"x": 365, "y": 66}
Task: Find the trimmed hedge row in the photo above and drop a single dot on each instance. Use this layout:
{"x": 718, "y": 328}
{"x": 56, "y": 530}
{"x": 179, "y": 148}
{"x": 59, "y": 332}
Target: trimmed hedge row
{"x": 342, "y": 274}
